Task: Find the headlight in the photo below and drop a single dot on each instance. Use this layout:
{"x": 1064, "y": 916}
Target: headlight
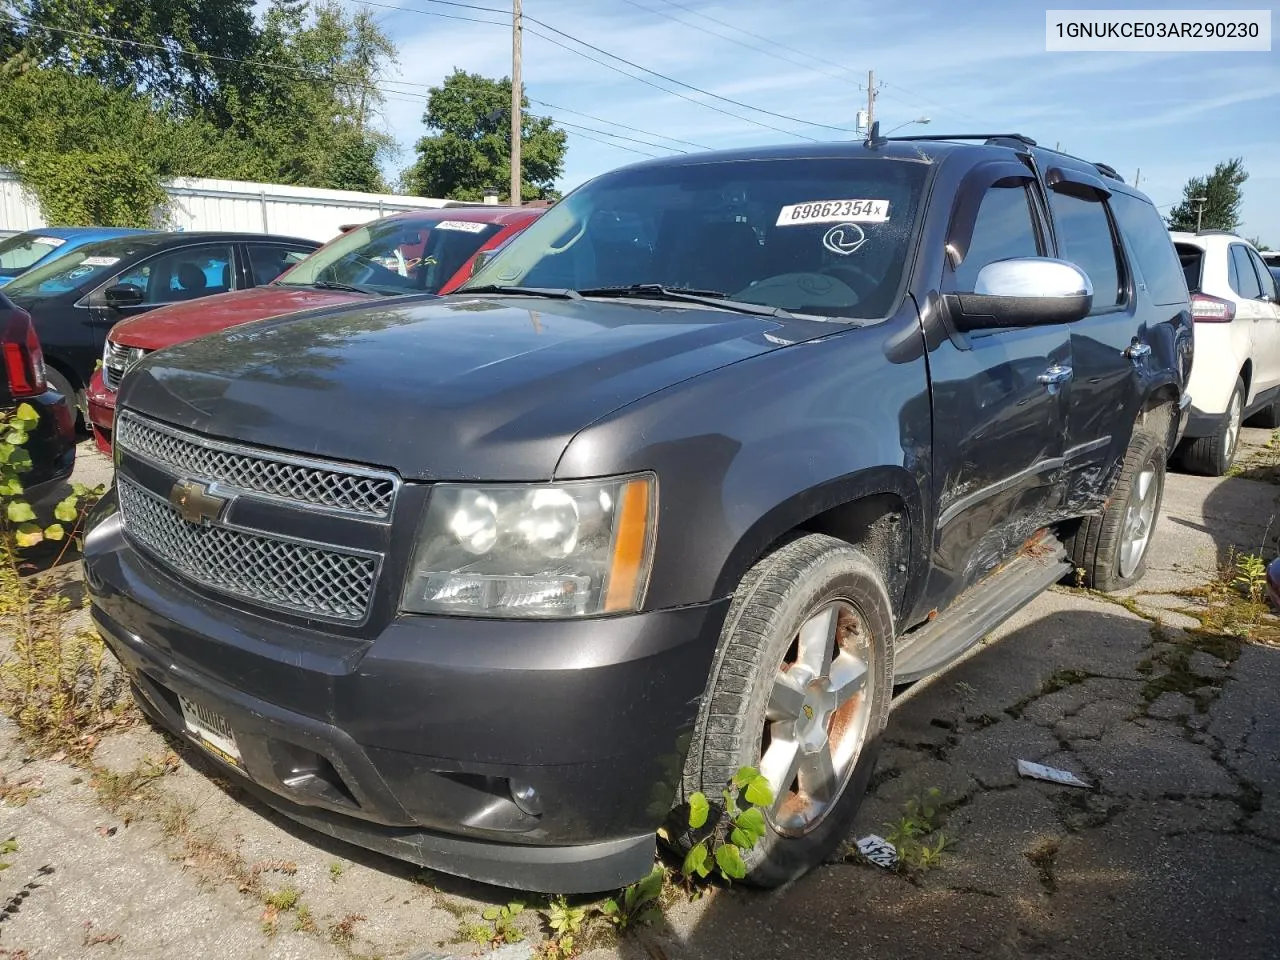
{"x": 534, "y": 550}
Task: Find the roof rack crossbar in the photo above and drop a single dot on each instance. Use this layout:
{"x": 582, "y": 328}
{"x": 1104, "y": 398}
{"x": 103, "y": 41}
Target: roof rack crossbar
{"x": 1021, "y": 138}
{"x": 1108, "y": 171}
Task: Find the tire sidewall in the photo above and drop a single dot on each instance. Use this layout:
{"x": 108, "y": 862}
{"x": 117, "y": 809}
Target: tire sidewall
{"x": 1226, "y": 451}
{"x": 841, "y": 574}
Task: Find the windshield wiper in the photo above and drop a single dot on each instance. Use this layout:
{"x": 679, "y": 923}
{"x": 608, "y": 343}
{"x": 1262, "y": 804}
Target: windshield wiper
{"x": 555, "y": 293}
{"x": 349, "y": 287}
{"x": 709, "y": 298}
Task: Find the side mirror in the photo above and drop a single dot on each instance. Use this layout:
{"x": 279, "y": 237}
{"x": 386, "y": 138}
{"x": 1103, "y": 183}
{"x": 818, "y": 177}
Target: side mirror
{"x": 1023, "y": 292}
{"x": 123, "y": 295}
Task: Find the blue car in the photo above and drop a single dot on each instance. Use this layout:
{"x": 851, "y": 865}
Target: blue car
{"x": 22, "y": 251}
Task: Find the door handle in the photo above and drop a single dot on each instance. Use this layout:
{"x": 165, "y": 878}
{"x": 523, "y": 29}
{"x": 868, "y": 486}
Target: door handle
{"x": 1056, "y": 374}
{"x": 1137, "y": 350}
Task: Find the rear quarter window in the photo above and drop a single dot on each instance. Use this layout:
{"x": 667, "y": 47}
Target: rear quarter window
{"x": 1168, "y": 273}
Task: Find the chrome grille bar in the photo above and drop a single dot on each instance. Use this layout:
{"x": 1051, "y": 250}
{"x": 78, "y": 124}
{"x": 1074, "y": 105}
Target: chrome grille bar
{"x": 317, "y": 484}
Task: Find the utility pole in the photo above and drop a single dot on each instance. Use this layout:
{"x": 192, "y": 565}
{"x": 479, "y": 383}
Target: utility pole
{"x": 517, "y": 94}
{"x": 871, "y": 98}
{"x": 1137, "y": 177}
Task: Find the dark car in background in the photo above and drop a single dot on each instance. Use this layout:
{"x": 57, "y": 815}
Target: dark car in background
{"x": 22, "y": 380}
{"x": 423, "y": 251}
{"x": 78, "y": 297}
{"x": 684, "y": 480}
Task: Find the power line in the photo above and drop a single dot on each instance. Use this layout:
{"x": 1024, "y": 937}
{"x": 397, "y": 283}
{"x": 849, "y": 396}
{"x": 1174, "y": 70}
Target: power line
{"x": 648, "y": 133}
{"x": 606, "y": 133}
{"x": 775, "y": 43}
{"x": 616, "y": 146}
{"x": 672, "y": 93}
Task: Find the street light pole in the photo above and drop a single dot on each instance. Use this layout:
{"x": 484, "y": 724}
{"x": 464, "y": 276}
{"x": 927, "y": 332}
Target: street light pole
{"x": 922, "y": 120}
{"x": 1199, "y": 202}
{"x": 517, "y": 94}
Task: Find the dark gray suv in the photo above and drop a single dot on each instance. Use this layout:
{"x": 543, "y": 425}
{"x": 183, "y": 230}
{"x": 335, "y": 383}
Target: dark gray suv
{"x": 689, "y": 477}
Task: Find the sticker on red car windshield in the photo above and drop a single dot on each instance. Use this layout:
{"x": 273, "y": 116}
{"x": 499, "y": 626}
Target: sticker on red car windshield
{"x": 99, "y": 261}
{"x": 49, "y": 241}
{"x": 833, "y": 211}
{"x": 466, "y": 226}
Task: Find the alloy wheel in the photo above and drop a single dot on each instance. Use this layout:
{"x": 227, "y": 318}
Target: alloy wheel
{"x": 1139, "y": 520}
{"x": 817, "y": 717}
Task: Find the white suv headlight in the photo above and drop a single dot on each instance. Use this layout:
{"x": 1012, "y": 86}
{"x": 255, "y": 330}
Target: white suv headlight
{"x": 534, "y": 550}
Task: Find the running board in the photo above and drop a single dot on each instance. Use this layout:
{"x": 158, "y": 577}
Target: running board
{"x": 980, "y": 610}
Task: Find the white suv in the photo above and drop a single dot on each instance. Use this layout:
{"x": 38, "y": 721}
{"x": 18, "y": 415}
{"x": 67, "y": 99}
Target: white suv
{"x": 1236, "y": 371}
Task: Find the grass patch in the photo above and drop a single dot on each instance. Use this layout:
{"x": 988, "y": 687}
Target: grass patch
{"x": 917, "y": 835}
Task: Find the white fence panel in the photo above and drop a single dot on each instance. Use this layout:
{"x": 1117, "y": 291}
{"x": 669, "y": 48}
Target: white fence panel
{"x": 208, "y": 204}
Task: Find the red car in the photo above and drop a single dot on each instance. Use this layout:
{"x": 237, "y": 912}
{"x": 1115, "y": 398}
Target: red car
{"x": 423, "y": 251}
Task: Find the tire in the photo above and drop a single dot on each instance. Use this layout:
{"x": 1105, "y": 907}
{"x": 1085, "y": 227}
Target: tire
{"x": 1268, "y": 417}
{"x": 75, "y": 397}
{"x": 1212, "y": 456}
{"x": 1100, "y": 545}
{"x": 814, "y": 574}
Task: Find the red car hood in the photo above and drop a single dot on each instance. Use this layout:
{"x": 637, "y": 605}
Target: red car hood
{"x": 165, "y": 326}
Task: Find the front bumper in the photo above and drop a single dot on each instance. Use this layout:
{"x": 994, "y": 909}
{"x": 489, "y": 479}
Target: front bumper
{"x": 409, "y": 744}
{"x": 102, "y": 411}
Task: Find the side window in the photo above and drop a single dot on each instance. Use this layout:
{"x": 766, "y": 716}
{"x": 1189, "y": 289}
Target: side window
{"x": 1265, "y": 280}
{"x": 1003, "y": 230}
{"x": 183, "y": 274}
{"x": 268, "y": 260}
{"x": 1241, "y": 276}
{"x": 1166, "y": 277}
{"x": 1084, "y": 233}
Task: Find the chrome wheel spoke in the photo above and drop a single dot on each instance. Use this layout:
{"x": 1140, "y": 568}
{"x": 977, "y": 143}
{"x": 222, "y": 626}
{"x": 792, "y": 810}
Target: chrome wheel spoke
{"x": 778, "y": 765}
{"x": 848, "y": 677}
{"x": 817, "y": 773}
{"x": 817, "y": 640}
{"x": 787, "y": 698}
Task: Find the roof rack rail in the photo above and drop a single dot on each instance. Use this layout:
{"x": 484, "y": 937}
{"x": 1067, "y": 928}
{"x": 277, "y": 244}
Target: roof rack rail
{"x": 1108, "y": 171}
{"x": 1216, "y": 233}
{"x": 1021, "y": 138}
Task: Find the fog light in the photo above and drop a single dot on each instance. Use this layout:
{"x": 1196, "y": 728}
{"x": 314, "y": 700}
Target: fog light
{"x": 526, "y": 798}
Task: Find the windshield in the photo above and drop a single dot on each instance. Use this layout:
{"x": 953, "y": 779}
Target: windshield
{"x": 19, "y": 252}
{"x": 394, "y": 256}
{"x": 819, "y": 236}
{"x": 79, "y": 269}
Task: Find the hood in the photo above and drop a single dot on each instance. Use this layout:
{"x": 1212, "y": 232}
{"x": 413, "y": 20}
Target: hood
{"x": 444, "y": 388}
{"x": 165, "y": 326}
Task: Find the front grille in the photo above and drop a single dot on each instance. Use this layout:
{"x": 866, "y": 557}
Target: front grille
{"x": 310, "y": 483}
{"x": 117, "y": 361}
{"x": 300, "y": 578}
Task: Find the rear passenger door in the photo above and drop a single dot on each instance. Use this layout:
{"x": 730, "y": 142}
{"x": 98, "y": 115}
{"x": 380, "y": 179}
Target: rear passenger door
{"x": 263, "y": 262}
{"x": 1108, "y": 348}
{"x": 1255, "y": 287}
{"x": 999, "y": 397}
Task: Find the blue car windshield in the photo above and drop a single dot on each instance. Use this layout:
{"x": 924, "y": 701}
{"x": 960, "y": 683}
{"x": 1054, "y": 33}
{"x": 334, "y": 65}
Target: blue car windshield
{"x": 78, "y": 269}
{"x": 22, "y": 251}
{"x": 828, "y": 237}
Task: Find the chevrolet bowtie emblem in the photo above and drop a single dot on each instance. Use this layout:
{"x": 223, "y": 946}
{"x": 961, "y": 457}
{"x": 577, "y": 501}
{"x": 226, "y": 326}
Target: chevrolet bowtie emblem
{"x": 194, "y": 502}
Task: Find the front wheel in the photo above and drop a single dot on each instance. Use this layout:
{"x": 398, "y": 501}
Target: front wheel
{"x": 1112, "y": 548}
{"x": 800, "y": 689}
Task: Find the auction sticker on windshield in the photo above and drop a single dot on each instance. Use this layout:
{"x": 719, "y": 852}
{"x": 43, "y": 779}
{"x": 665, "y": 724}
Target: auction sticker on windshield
{"x": 466, "y": 226}
{"x": 99, "y": 261}
{"x": 834, "y": 211}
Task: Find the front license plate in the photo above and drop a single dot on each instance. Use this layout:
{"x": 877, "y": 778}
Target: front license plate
{"x": 211, "y": 730}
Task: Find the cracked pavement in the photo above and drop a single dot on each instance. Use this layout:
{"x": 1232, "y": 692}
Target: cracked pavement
{"x": 1174, "y": 852}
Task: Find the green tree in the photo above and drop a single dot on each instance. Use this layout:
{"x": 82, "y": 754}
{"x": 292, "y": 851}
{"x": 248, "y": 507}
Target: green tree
{"x": 468, "y": 144}
{"x": 1222, "y": 195}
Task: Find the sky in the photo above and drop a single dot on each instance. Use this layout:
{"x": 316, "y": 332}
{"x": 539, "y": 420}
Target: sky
{"x": 976, "y": 67}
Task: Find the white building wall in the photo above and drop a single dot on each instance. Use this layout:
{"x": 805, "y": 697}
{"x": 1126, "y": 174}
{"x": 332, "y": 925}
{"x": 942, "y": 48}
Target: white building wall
{"x": 207, "y": 204}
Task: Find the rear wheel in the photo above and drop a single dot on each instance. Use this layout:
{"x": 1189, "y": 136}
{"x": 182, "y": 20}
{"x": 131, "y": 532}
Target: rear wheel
{"x": 1112, "y": 548}
{"x": 74, "y": 397}
{"x": 1212, "y": 456}
{"x": 800, "y": 689}
{"x": 1268, "y": 416}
